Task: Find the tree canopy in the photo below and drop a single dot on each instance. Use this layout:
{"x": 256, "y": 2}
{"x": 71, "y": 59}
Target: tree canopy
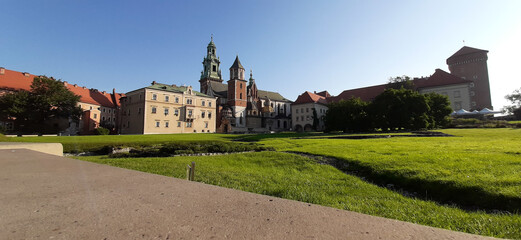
{"x": 38, "y": 110}
{"x": 515, "y": 99}
{"x": 394, "y": 109}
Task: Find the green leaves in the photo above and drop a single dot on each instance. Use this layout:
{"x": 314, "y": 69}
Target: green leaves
{"x": 48, "y": 99}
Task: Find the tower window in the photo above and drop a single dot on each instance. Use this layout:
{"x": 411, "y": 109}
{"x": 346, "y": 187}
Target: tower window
{"x": 214, "y": 68}
{"x": 240, "y": 96}
{"x": 240, "y": 85}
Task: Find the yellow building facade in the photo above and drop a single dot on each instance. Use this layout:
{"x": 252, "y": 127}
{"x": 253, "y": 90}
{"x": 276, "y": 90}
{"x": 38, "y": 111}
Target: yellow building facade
{"x": 165, "y": 109}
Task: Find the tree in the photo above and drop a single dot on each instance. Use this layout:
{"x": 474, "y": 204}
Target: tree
{"x": 515, "y": 99}
{"x": 347, "y": 116}
{"x": 400, "y": 109}
{"x": 315, "y": 120}
{"x": 439, "y": 109}
{"x": 400, "y": 82}
{"x": 36, "y": 110}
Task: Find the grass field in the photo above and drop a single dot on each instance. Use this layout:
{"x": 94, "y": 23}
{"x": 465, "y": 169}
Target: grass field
{"x": 299, "y": 178}
{"x": 458, "y": 183}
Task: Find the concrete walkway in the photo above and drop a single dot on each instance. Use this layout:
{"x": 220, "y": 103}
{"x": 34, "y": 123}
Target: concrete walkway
{"x": 50, "y": 197}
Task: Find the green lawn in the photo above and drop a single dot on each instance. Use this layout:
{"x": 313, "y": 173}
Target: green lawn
{"x": 94, "y": 143}
{"x": 460, "y": 182}
{"x": 299, "y": 178}
{"x": 479, "y": 168}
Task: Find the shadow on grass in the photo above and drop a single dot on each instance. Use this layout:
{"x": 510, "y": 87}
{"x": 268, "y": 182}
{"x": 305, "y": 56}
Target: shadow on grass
{"x": 443, "y": 192}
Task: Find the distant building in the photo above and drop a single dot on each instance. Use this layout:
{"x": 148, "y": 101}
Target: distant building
{"x": 471, "y": 64}
{"x": 99, "y": 107}
{"x": 302, "y": 110}
{"x": 163, "y": 109}
{"x": 241, "y": 107}
{"x": 467, "y": 86}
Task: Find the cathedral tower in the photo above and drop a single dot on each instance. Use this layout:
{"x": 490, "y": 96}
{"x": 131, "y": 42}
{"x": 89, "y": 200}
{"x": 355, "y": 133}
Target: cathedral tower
{"x": 237, "y": 98}
{"x": 471, "y": 64}
{"x": 211, "y": 70}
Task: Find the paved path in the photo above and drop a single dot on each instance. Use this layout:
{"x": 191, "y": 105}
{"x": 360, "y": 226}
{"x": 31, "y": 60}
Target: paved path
{"x": 49, "y": 197}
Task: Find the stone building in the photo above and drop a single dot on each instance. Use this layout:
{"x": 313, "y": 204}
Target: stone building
{"x": 471, "y": 64}
{"x": 241, "y": 106}
{"x": 163, "y": 109}
{"x": 304, "y": 109}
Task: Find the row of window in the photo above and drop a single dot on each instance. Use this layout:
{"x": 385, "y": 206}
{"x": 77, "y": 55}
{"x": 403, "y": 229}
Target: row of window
{"x": 167, "y": 124}
{"x": 308, "y": 118}
{"x": 190, "y": 112}
{"x": 321, "y": 110}
{"x": 188, "y": 100}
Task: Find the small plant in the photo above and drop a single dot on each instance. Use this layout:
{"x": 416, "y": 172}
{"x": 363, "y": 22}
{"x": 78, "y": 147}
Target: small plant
{"x": 102, "y": 131}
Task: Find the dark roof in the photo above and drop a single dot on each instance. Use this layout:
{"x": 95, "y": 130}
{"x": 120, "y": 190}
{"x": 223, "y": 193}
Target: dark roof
{"x": 323, "y": 94}
{"x": 272, "y": 96}
{"x": 173, "y": 88}
{"x": 466, "y": 50}
{"x": 439, "y": 78}
{"x": 237, "y": 63}
{"x": 308, "y": 97}
{"x": 221, "y": 90}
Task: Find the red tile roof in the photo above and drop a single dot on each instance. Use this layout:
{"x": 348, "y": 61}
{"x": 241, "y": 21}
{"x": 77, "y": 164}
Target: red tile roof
{"x": 308, "y": 97}
{"x": 13, "y": 80}
{"x": 439, "y": 78}
{"x": 466, "y": 50}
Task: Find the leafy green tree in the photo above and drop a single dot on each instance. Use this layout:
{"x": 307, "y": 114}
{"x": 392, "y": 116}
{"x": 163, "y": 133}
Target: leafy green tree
{"x": 315, "y": 120}
{"x": 515, "y": 99}
{"x": 439, "y": 110}
{"x": 397, "y": 109}
{"x": 47, "y": 101}
{"x": 400, "y": 82}
{"x": 347, "y": 116}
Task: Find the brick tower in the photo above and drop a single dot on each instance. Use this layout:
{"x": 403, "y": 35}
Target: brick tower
{"x": 471, "y": 64}
{"x": 237, "y": 98}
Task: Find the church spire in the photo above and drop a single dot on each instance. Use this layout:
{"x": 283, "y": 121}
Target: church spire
{"x": 211, "y": 63}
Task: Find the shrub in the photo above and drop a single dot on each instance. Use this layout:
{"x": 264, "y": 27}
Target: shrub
{"x": 102, "y": 131}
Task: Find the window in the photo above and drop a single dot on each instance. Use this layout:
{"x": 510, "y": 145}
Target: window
{"x": 109, "y": 119}
{"x": 472, "y": 93}
{"x": 203, "y": 103}
{"x": 240, "y": 95}
{"x": 188, "y": 101}
{"x": 457, "y": 94}
{"x": 176, "y": 112}
{"x": 209, "y": 104}
{"x": 139, "y": 111}
{"x": 202, "y": 114}
{"x": 176, "y": 100}
{"x": 95, "y": 115}
{"x": 209, "y": 114}
{"x": 297, "y": 110}
{"x": 128, "y": 112}
{"x": 214, "y": 68}
{"x": 307, "y": 109}
{"x": 166, "y": 111}
{"x": 166, "y": 124}
{"x": 103, "y": 118}
{"x": 471, "y": 84}
{"x": 103, "y": 109}
{"x": 205, "y": 124}
{"x": 190, "y": 112}
{"x": 240, "y": 85}
{"x": 154, "y": 97}
{"x": 157, "y": 123}
{"x": 475, "y": 77}
{"x": 154, "y": 109}
{"x": 167, "y": 98}
{"x": 473, "y": 103}
{"x": 189, "y": 124}
{"x": 457, "y": 105}
{"x": 178, "y": 124}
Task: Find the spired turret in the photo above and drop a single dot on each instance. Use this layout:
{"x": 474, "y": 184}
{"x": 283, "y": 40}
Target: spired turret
{"x": 211, "y": 64}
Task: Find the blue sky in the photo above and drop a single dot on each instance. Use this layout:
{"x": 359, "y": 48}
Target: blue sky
{"x": 292, "y": 46}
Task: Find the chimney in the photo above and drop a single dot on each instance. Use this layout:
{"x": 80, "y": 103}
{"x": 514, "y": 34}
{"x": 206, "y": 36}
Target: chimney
{"x": 75, "y": 85}
{"x": 2, "y": 71}
{"x": 26, "y": 74}
{"x": 104, "y": 92}
{"x": 84, "y": 87}
{"x": 153, "y": 82}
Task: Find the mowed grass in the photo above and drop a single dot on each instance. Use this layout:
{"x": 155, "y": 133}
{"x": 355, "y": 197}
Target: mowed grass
{"x": 300, "y": 178}
{"x": 95, "y": 143}
{"x": 478, "y": 169}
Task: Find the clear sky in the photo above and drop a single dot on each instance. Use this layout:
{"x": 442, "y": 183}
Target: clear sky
{"x": 291, "y": 46}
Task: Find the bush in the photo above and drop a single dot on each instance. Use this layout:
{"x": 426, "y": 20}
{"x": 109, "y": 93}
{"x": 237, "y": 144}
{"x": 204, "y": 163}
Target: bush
{"x": 102, "y": 131}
